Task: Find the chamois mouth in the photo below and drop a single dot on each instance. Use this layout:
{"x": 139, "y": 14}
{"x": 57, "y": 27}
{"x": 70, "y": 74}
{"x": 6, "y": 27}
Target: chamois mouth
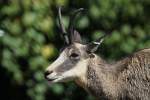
{"x": 54, "y": 80}
{"x": 51, "y": 79}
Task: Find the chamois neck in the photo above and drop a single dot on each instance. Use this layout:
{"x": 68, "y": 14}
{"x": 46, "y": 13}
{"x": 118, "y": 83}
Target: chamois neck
{"x": 101, "y": 78}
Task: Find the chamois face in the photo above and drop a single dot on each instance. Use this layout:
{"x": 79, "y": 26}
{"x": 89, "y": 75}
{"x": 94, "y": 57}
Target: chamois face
{"x": 73, "y": 60}
{"x": 70, "y": 65}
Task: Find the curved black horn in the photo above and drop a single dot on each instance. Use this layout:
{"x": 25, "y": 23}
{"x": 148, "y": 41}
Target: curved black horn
{"x": 64, "y": 33}
{"x": 72, "y": 20}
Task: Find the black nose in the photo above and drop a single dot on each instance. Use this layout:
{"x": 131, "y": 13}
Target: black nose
{"x": 47, "y": 73}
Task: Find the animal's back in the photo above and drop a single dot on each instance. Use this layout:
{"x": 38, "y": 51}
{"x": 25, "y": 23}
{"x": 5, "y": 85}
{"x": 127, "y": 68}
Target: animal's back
{"x": 136, "y": 76}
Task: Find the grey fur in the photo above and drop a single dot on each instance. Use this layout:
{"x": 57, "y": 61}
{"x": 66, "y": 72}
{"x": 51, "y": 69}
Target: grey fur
{"x": 127, "y": 79}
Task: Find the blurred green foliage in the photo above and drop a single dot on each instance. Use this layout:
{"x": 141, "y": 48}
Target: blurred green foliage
{"x": 29, "y": 39}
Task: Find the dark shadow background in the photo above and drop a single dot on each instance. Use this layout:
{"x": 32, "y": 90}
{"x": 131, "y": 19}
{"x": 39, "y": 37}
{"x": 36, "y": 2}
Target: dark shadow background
{"x": 30, "y": 41}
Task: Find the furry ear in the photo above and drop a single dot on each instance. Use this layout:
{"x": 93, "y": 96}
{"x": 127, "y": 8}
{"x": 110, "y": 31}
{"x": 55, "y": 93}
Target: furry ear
{"x": 92, "y": 47}
{"x": 75, "y": 37}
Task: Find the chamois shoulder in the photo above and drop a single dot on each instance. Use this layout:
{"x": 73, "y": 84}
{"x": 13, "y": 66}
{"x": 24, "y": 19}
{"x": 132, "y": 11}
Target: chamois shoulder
{"x": 137, "y": 56}
{"x": 141, "y": 57}
{"x": 146, "y": 50}
{"x": 138, "y": 59}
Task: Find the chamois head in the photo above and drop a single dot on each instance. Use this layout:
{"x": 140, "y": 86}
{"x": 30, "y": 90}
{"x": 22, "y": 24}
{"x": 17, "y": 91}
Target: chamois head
{"x": 73, "y": 60}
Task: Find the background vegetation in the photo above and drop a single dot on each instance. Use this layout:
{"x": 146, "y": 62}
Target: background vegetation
{"x": 30, "y": 41}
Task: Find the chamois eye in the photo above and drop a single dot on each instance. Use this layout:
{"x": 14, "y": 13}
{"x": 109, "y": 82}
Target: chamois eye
{"x": 74, "y": 55}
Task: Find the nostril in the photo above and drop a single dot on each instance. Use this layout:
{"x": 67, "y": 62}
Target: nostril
{"x": 47, "y": 73}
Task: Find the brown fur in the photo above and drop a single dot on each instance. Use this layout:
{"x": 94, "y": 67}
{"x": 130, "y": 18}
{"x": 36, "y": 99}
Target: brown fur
{"x": 127, "y": 79}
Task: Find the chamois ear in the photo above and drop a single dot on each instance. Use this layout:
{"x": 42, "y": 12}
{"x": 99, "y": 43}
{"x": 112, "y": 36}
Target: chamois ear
{"x": 75, "y": 37}
{"x": 93, "y": 46}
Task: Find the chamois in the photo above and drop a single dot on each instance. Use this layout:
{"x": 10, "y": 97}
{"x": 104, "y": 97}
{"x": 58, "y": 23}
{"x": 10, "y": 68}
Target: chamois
{"x": 126, "y": 79}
